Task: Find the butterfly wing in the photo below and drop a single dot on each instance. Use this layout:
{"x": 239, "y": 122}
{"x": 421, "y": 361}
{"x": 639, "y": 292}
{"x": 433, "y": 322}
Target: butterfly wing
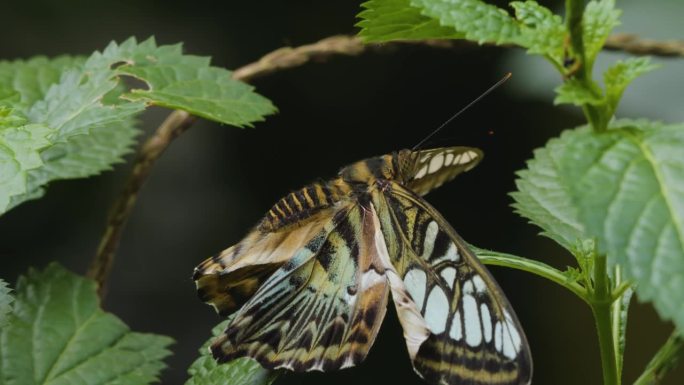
{"x": 474, "y": 336}
{"x": 322, "y": 309}
{"x": 433, "y": 167}
{"x": 229, "y": 279}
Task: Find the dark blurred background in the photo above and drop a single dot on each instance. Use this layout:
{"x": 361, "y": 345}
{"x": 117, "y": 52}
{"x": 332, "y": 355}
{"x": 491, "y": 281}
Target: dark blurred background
{"x": 215, "y": 182}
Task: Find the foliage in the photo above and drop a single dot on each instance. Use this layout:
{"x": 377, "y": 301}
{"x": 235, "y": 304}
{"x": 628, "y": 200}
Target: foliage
{"x": 58, "y": 334}
{"x": 610, "y": 192}
{"x": 243, "y": 371}
{"x": 73, "y": 117}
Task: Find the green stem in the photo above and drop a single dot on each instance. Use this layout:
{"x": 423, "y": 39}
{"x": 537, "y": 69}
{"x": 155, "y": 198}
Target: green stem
{"x": 666, "y": 359}
{"x": 495, "y": 258}
{"x": 574, "y": 10}
{"x": 601, "y": 304}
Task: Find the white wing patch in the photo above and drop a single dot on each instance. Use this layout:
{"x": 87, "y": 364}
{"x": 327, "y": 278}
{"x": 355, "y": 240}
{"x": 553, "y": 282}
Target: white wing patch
{"x": 436, "y": 311}
{"x": 486, "y": 322}
{"x": 456, "y": 332}
{"x": 471, "y": 319}
{"x": 416, "y": 284}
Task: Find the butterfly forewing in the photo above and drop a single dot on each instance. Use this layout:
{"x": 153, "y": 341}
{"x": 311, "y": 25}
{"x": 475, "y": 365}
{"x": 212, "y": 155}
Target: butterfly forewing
{"x": 434, "y": 167}
{"x": 474, "y": 336}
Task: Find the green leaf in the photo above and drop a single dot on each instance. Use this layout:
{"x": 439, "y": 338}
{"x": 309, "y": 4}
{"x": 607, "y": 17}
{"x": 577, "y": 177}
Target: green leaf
{"x": 242, "y": 371}
{"x": 207, "y": 92}
{"x": 79, "y": 123}
{"x": 599, "y": 19}
{"x": 621, "y": 74}
{"x": 20, "y": 145}
{"x": 67, "y": 114}
{"x": 476, "y": 19}
{"x": 58, "y": 335}
{"x": 81, "y": 156}
{"x": 542, "y": 31}
{"x": 544, "y": 197}
{"x": 628, "y": 185}
{"x": 574, "y": 92}
{"x": 32, "y": 78}
{"x": 5, "y": 302}
{"x": 188, "y": 83}
{"x": 385, "y": 20}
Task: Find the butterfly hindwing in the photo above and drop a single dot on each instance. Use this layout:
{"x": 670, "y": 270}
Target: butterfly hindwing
{"x": 475, "y": 337}
{"x": 319, "y": 311}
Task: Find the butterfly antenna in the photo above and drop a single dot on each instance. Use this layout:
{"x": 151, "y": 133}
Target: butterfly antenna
{"x": 490, "y": 89}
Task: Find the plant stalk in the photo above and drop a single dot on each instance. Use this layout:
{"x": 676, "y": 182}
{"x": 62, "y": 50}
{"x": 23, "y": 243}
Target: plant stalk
{"x": 601, "y": 305}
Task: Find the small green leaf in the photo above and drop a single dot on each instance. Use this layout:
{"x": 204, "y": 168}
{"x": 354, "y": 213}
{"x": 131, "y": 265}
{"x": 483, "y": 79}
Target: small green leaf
{"x": 385, "y": 20}
{"x": 5, "y": 302}
{"x": 242, "y": 371}
{"x": 599, "y": 19}
{"x": 476, "y": 19}
{"x": 544, "y": 198}
{"x": 628, "y": 185}
{"x": 542, "y": 31}
{"x": 574, "y": 92}
{"x": 621, "y": 74}
{"x": 58, "y": 335}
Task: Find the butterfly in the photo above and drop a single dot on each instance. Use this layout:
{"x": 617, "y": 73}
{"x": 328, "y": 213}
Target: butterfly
{"x": 309, "y": 286}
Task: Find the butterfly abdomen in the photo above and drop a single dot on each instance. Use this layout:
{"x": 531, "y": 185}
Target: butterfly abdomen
{"x": 298, "y": 205}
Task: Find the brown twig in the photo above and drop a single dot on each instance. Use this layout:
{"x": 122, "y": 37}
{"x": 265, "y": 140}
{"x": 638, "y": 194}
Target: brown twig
{"x": 287, "y": 57}
{"x": 637, "y": 46}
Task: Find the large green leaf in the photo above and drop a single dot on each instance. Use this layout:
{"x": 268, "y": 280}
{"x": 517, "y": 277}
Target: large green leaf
{"x": 242, "y": 371}
{"x": 79, "y": 119}
{"x": 58, "y": 335}
{"x": 5, "y": 302}
{"x": 628, "y": 184}
{"x": 384, "y": 20}
{"x": 544, "y": 196}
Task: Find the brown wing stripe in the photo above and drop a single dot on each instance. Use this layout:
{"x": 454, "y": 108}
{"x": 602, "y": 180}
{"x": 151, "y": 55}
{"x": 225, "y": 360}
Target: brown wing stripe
{"x": 296, "y": 206}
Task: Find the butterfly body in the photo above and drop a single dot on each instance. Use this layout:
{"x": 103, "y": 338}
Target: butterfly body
{"x": 310, "y": 285}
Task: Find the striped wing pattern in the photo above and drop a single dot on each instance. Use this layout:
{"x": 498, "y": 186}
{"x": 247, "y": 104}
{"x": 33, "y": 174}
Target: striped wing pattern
{"x": 319, "y": 311}
{"x": 474, "y": 335}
